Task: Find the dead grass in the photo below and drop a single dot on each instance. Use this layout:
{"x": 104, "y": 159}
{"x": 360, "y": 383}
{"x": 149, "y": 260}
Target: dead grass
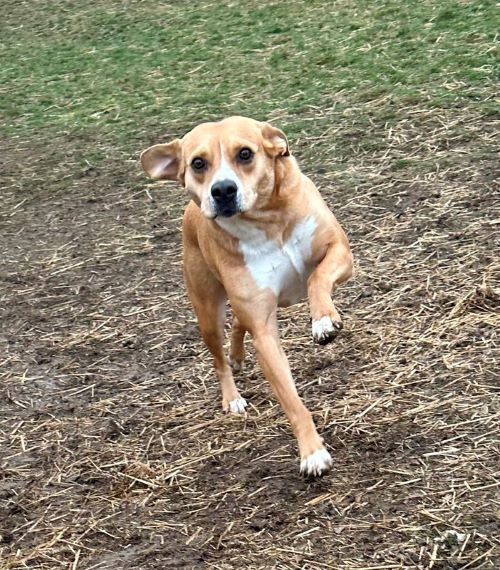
{"x": 114, "y": 450}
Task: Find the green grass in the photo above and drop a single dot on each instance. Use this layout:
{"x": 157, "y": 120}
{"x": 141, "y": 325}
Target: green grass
{"x": 131, "y": 71}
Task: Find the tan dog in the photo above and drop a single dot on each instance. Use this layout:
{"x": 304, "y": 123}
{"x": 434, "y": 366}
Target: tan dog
{"x": 256, "y": 231}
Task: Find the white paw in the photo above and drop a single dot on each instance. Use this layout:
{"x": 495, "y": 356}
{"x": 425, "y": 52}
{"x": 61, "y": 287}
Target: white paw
{"x": 325, "y": 330}
{"x": 238, "y": 406}
{"x": 316, "y": 464}
{"x": 236, "y": 365}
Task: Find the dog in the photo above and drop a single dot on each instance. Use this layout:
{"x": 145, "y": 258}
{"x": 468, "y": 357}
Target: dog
{"x": 256, "y": 232}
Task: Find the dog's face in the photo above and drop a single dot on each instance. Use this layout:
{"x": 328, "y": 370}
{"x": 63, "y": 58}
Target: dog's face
{"x": 227, "y": 167}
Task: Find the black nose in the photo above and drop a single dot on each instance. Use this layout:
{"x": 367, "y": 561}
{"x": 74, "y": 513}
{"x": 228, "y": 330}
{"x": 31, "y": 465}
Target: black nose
{"x": 224, "y": 190}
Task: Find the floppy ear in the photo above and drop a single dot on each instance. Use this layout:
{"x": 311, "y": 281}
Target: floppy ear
{"x": 162, "y": 161}
{"x": 275, "y": 141}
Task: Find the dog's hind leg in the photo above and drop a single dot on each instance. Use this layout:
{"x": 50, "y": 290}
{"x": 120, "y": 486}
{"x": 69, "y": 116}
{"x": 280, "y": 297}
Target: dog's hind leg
{"x": 209, "y": 302}
{"x": 237, "y": 350}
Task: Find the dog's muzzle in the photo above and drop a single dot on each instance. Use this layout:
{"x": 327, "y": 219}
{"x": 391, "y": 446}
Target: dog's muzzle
{"x": 225, "y": 194}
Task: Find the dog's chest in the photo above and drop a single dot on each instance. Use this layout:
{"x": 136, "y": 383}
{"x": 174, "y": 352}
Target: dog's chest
{"x": 283, "y": 268}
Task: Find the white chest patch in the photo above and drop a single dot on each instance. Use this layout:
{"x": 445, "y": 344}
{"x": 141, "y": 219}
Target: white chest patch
{"x": 282, "y": 268}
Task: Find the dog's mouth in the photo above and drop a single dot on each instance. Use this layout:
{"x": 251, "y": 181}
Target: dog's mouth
{"x": 226, "y": 208}
{"x": 226, "y": 212}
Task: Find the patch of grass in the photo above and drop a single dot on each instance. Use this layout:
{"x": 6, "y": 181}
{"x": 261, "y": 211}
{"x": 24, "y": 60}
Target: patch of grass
{"x": 135, "y": 71}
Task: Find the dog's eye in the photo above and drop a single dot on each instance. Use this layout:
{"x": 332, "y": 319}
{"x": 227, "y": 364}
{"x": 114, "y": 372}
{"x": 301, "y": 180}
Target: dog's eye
{"x": 245, "y": 155}
{"x": 198, "y": 163}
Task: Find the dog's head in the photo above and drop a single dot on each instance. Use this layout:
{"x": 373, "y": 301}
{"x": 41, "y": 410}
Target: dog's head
{"x": 227, "y": 167}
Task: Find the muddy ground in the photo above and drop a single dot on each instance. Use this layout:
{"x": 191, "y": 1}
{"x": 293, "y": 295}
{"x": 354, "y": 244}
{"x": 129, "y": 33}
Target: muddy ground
{"x": 114, "y": 451}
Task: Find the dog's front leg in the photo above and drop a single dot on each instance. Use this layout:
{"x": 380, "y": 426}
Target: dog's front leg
{"x": 335, "y": 268}
{"x": 208, "y": 298}
{"x": 315, "y": 460}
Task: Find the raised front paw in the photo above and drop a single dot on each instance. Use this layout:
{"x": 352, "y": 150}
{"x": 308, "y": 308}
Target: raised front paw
{"x": 325, "y": 330}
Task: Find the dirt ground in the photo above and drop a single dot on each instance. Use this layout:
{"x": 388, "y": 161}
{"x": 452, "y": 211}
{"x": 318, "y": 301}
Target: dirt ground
{"x": 114, "y": 451}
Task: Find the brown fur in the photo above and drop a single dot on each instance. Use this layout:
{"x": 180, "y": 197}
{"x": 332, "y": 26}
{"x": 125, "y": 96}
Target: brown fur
{"x": 280, "y": 196}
